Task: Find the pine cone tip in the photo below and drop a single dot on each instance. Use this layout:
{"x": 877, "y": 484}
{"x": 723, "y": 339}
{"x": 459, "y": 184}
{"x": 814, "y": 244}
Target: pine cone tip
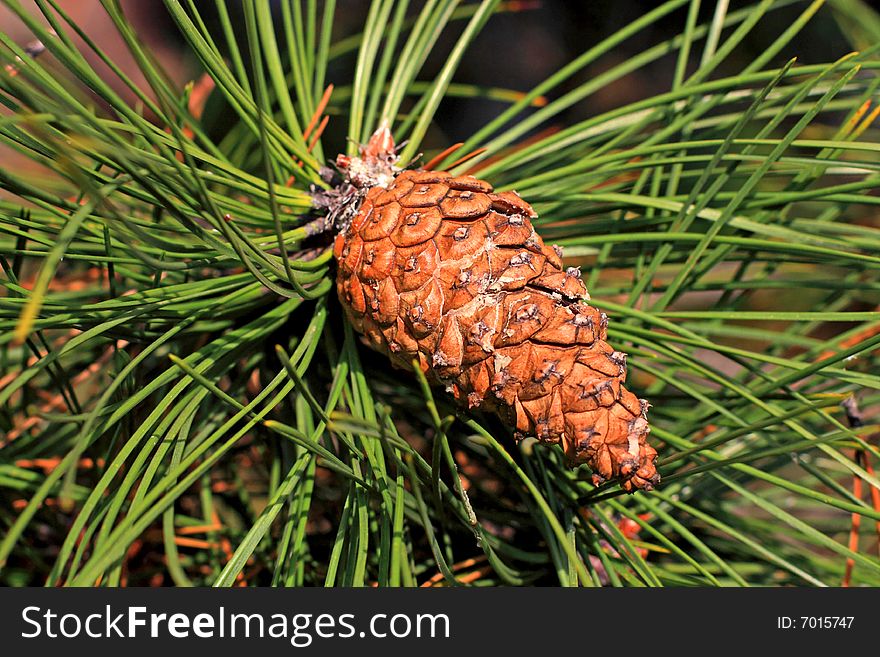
{"x": 625, "y": 457}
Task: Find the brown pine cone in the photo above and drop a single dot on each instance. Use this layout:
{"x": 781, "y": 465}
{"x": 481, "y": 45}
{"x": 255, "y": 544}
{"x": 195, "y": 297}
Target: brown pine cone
{"x": 444, "y": 270}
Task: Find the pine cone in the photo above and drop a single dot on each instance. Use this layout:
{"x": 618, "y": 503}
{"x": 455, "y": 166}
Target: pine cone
{"x": 444, "y": 270}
